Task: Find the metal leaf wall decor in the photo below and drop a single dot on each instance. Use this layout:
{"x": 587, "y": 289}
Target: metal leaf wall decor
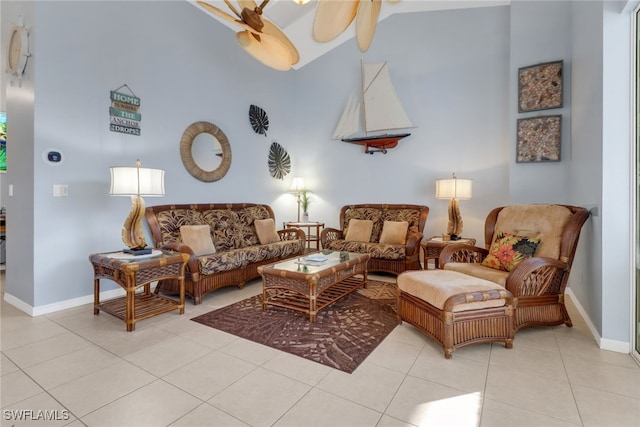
{"x": 259, "y": 120}
{"x": 279, "y": 161}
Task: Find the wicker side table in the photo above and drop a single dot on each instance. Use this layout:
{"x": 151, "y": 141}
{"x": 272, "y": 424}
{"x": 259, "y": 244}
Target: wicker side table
{"x": 133, "y": 273}
{"x": 431, "y": 248}
{"x": 312, "y": 233}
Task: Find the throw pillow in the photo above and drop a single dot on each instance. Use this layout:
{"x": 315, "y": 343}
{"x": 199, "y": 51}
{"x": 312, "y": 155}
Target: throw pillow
{"x": 359, "y": 230}
{"x": 198, "y": 238}
{"x": 394, "y": 232}
{"x": 509, "y": 250}
{"x": 266, "y": 231}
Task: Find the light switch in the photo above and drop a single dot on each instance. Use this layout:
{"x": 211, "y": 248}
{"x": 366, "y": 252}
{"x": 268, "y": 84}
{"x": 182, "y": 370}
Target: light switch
{"x": 60, "y": 190}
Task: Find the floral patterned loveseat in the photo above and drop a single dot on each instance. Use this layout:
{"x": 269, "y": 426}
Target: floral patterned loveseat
{"x": 393, "y": 255}
{"x": 237, "y": 251}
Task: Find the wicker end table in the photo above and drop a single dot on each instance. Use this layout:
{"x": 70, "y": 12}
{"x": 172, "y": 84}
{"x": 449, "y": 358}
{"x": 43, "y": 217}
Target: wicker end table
{"x": 134, "y": 273}
{"x": 431, "y": 248}
{"x": 312, "y": 233}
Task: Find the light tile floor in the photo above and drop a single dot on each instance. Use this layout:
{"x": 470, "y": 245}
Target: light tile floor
{"x": 86, "y": 370}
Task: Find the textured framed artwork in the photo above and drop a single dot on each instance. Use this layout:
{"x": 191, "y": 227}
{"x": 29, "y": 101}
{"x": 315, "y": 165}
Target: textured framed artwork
{"x": 538, "y": 139}
{"x": 540, "y": 87}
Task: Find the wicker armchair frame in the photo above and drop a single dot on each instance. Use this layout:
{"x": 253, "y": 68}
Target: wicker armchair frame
{"x": 412, "y": 246}
{"x": 196, "y": 284}
{"x": 537, "y": 283}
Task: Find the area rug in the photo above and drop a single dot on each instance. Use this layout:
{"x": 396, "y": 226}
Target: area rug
{"x": 343, "y": 335}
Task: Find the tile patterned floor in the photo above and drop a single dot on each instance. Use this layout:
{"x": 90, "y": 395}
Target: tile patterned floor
{"x": 86, "y": 370}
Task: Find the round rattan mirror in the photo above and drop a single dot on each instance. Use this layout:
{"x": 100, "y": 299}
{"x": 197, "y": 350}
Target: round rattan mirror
{"x": 221, "y": 148}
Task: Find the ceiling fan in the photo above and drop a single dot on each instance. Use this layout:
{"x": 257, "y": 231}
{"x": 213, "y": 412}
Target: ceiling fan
{"x": 333, "y": 17}
{"x": 261, "y": 38}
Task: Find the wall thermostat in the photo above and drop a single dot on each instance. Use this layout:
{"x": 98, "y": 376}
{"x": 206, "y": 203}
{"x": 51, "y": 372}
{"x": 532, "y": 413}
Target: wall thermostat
{"x": 52, "y": 156}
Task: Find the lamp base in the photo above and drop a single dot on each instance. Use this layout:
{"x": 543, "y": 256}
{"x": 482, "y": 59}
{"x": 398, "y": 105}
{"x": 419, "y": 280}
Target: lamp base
{"x": 143, "y": 251}
{"x": 454, "y": 237}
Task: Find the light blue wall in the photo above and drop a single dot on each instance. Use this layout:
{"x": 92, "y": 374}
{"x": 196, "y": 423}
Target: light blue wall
{"x": 587, "y": 151}
{"x": 540, "y": 32}
{"x": 618, "y": 164}
{"x": 454, "y": 72}
{"x": 452, "y": 83}
{"x": 21, "y": 173}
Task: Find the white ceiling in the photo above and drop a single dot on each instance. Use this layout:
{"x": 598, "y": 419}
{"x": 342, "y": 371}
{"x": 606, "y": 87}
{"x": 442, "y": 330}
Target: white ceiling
{"x": 297, "y": 20}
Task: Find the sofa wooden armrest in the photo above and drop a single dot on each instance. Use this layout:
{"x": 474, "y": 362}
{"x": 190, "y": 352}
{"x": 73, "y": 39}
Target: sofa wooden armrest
{"x": 193, "y": 267}
{"x": 462, "y": 253}
{"x": 291, "y": 234}
{"x": 412, "y": 246}
{"x": 536, "y": 276}
{"x": 330, "y": 234}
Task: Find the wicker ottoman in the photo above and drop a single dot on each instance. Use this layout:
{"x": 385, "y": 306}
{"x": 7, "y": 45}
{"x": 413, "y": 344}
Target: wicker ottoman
{"x": 456, "y": 310}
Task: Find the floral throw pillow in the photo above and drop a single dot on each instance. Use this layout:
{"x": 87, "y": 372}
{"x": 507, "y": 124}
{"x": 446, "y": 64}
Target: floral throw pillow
{"x": 509, "y": 250}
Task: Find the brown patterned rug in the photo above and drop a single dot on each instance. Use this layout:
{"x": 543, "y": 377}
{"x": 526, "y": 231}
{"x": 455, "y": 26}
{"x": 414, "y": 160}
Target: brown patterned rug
{"x": 343, "y": 335}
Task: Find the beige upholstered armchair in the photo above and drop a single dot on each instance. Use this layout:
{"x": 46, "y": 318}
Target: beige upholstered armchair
{"x": 529, "y": 250}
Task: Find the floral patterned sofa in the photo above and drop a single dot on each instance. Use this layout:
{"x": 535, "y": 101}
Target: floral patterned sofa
{"x": 227, "y": 243}
{"x": 390, "y": 233}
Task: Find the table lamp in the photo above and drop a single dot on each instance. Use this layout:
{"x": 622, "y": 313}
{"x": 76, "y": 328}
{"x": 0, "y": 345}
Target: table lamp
{"x": 297, "y": 186}
{"x": 136, "y": 182}
{"x": 454, "y": 189}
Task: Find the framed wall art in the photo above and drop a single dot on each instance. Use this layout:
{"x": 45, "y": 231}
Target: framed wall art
{"x": 540, "y": 87}
{"x": 538, "y": 139}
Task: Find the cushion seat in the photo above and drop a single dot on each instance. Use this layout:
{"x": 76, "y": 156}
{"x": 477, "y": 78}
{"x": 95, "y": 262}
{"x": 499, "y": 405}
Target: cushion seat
{"x": 376, "y": 250}
{"x": 438, "y": 286}
{"x": 456, "y": 309}
{"x": 480, "y": 271}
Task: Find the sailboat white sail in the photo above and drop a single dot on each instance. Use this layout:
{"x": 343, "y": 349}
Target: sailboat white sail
{"x": 349, "y": 122}
{"x": 381, "y": 110}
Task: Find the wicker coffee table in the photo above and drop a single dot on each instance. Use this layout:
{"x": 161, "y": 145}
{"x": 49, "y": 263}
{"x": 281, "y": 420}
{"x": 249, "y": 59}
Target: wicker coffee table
{"x": 309, "y": 286}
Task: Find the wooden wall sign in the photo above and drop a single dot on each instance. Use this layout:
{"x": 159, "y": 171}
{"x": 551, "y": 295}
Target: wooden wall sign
{"x": 124, "y": 112}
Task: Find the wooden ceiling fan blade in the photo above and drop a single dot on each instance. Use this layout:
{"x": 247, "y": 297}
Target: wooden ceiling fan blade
{"x": 268, "y": 50}
{"x": 366, "y": 21}
{"x": 332, "y": 18}
{"x": 232, "y": 7}
{"x": 249, "y": 4}
{"x": 221, "y": 13}
{"x": 273, "y": 30}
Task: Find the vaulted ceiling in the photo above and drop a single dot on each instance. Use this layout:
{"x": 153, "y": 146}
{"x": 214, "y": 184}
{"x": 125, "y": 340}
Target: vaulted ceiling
{"x": 297, "y": 20}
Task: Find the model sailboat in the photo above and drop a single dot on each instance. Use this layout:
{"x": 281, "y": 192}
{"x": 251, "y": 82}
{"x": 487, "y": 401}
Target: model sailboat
{"x": 381, "y": 111}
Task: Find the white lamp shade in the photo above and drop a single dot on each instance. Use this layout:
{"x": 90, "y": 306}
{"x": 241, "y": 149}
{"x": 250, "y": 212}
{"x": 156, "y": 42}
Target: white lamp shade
{"x": 297, "y": 184}
{"x": 133, "y": 181}
{"x": 453, "y": 188}
{"x": 301, "y": 1}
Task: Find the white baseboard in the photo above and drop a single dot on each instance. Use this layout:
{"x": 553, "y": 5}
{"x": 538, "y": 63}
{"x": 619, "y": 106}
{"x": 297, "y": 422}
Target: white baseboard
{"x": 62, "y": 305}
{"x": 603, "y": 343}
